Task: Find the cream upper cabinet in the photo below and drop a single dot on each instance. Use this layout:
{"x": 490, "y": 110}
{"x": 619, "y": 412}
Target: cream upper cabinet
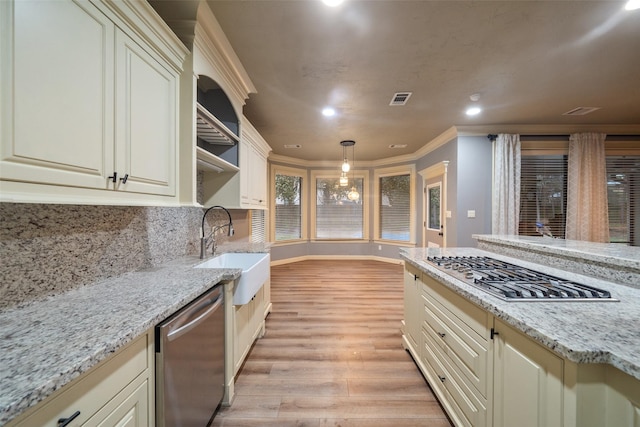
{"x": 57, "y": 93}
{"x": 254, "y": 170}
{"x": 146, "y": 120}
{"x": 246, "y": 189}
{"x": 87, "y": 105}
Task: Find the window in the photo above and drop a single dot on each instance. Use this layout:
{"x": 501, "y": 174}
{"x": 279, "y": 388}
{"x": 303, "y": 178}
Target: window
{"x": 623, "y": 185}
{"x": 337, "y": 216}
{"x": 543, "y": 190}
{"x": 257, "y": 226}
{"x": 433, "y": 207}
{"x": 543, "y": 193}
{"x": 394, "y": 188}
{"x": 288, "y": 204}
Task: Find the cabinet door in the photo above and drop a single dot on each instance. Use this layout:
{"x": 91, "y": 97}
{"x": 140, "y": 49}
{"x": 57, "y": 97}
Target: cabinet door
{"x": 56, "y": 93}
{"x": 245, "y": 172}
{"x": 258, "y": 173}
{"x": 146, "y": 115}
{"x": 528, "y": 381}
{"x": 130, "y": 410}
{"x": 413, "y": 307}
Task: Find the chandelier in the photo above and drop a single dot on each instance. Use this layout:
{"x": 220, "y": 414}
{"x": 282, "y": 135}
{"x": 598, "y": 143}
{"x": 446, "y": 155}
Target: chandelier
{"x": 353, "y": 194}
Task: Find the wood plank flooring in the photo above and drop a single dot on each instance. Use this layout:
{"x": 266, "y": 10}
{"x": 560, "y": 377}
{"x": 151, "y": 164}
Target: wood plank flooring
{"x": 332, "y": 354}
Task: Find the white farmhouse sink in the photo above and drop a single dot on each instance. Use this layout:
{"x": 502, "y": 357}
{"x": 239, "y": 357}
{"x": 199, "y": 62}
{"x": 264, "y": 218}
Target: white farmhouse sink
{"x": 255, "y": 267}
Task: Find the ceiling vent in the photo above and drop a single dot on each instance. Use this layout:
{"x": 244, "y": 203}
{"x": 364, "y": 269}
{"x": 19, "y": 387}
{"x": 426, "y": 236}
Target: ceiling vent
{"x": 398, "y": 146}
{"x": 400, "y": 98}
{"x": 580, "y": 111}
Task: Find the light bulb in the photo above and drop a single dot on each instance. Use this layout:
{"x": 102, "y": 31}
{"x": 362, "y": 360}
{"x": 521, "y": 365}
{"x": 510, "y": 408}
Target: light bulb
{"x": 345, "y": 166}
{"x": 353, "y": 194}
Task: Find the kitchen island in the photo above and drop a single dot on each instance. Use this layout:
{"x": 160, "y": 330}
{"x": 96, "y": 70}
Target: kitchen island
{"x": 586, "y": 353}
{"x": 49, "y": 343}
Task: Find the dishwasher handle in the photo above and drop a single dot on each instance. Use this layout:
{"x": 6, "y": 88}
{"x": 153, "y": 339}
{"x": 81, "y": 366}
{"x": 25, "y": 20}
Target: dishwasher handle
{"x": 194, "y": 316}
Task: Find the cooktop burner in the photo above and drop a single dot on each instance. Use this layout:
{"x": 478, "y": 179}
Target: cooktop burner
{"x": 511, "y": 282}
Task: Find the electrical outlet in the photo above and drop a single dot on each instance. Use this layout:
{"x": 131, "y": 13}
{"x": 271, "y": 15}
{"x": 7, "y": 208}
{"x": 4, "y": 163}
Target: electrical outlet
{"x": 379, "y": 247}
{"x": 471, "y": 214}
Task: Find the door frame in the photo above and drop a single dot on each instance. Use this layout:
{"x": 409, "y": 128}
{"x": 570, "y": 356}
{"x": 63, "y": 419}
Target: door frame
{"x": 435, "y": 171}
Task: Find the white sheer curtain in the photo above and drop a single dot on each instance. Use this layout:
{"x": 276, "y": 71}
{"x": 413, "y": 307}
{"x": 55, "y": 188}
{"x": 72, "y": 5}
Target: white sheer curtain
{"x": 506, "y": 185}
{"x": 587, "y": 212}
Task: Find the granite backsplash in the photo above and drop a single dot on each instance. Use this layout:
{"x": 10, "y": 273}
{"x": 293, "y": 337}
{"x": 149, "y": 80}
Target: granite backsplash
{"x": 47, "y": 249}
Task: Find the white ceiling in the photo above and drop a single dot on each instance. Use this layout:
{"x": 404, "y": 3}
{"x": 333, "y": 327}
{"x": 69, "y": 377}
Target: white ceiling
{"x": 530, "y": 61}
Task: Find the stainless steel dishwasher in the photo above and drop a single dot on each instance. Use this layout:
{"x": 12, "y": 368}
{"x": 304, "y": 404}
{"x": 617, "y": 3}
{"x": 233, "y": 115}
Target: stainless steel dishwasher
{"x": 190, "y": 362}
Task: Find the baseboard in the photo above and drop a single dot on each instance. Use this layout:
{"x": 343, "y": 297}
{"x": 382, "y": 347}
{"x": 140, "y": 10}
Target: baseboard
{"x": 337, "y": 258}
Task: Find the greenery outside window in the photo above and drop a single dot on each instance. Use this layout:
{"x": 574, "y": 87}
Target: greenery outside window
{"x": 288, "y": 204}
{"x": 394, "y": 208}
{"x": 335, "y": 215}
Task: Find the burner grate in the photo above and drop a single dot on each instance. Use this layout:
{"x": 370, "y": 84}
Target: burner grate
{"x": 511, "y": 282}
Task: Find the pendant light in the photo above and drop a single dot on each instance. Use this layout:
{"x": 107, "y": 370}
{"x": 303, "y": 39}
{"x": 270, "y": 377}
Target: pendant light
{"x": 353, "y": 194}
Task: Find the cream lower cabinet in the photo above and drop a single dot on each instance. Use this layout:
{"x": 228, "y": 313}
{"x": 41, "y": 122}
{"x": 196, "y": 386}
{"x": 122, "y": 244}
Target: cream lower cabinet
{"x": 86, "y": 104}
{"x": 528, "y": 381}
{"x": 245, "y": 324}
{"x": 118, "y": 392}
{"x": 413, "y": 308}
{"x": 486, "y": 373}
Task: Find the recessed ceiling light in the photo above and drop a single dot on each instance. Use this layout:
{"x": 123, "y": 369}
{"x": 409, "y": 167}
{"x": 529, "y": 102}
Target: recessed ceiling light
{"x": 332, "y": 3}
{"x": 292, "y": 146}
{"x": 632, "y": 5}
{"x": 328, "y": 112}
{"x": 473, "y": 111}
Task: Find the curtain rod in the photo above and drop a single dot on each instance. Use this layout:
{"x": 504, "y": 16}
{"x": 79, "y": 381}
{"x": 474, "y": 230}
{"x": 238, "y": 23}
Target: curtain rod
{"x": 492, "y": 137}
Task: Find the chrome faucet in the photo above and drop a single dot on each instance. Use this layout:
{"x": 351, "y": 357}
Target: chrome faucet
{"x": 205, "y": 240}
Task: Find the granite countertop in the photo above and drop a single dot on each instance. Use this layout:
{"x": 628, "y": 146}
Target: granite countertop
{"x": 46, "y": 344}
{"x": 582, "y": 332}
{"x": 614, "y": 255}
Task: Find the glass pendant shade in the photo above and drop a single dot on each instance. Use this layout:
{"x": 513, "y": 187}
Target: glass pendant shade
{"x": 353, "y": 194}
{"x": 344, "y": 181}
{"x": 345, "y": 166}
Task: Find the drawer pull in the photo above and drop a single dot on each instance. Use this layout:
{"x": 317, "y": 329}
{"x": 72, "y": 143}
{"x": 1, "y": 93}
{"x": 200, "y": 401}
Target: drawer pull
{"x": 66, "y": 421}
{"x": 442, "y": 379}
{"x": 441, "y": 334}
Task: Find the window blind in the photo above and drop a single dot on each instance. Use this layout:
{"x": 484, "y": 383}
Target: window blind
{"x": 337, "y": 217}
{"x": 623, "y": 193}
{"x": 395, "y": 207}
{"x": 288, "y": 208}
{"x": 543, "y": 193}
{"x": 257, "y": 226}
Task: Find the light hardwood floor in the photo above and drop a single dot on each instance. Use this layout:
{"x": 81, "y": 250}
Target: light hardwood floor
{"x": 332, "y": 353}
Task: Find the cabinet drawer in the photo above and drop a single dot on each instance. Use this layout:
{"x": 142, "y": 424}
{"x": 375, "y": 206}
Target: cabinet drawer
{"x": 468, "y": 408}
{"x": 468, "y": 354}
{"x": 92, "y": 391}
{"x": 469, "y": 314}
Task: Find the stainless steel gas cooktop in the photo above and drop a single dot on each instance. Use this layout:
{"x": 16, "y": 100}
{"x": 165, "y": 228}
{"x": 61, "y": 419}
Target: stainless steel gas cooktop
{"x": 511, "y": 282}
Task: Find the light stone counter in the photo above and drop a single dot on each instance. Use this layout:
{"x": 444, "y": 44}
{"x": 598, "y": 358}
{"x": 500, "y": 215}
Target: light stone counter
{"x": 46, "y": 344}
{"x": 583, "y": 332}
{"x": 614, "y": 262}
